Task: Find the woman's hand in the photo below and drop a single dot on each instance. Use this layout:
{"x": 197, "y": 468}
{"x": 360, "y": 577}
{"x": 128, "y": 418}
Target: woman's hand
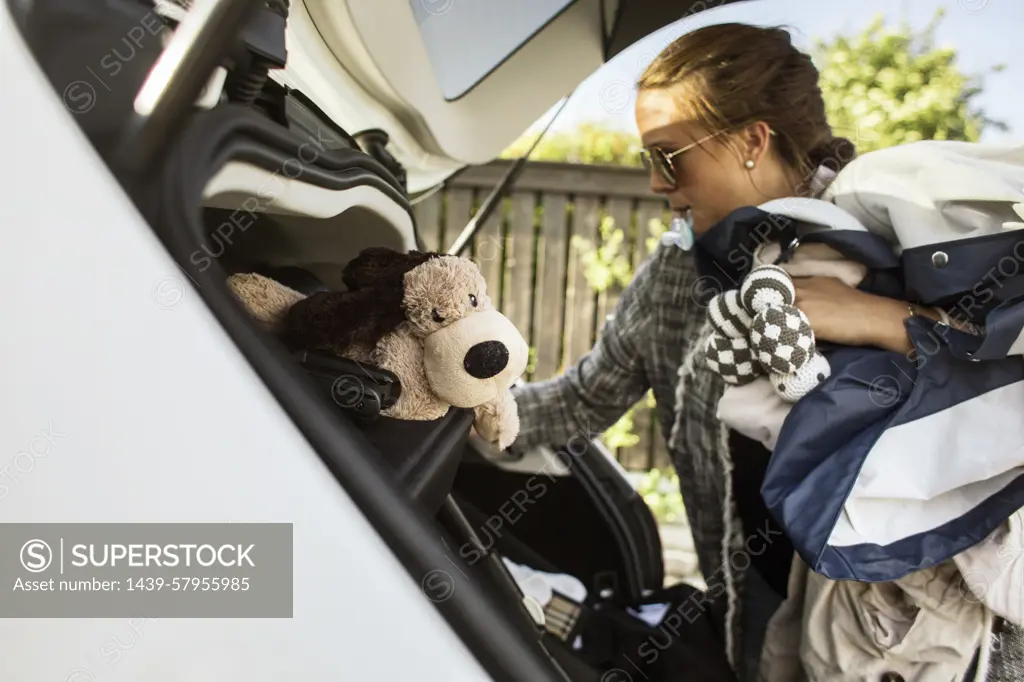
{"x": 844, "y": 315}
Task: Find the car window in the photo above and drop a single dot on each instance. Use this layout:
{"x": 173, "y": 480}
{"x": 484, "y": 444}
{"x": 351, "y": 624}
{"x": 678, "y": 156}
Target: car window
{"x": 467, "y": 39}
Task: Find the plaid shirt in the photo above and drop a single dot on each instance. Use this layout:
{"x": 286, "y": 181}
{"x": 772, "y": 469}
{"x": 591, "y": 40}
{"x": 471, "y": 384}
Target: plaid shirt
{"x": 653, "y": 342}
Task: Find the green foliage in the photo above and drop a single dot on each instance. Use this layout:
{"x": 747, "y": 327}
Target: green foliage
{"x": 660, "y": 490}
{"x": 621, "y": 434}
{"x": 606, "y": 264}
{"x": 655, "y": 228}
{"x": 885, "y": 87}
{"x": 590, "y": 143}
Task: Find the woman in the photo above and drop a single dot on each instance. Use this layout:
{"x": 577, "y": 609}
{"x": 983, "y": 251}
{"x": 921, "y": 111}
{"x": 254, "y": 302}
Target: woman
{"x": 730, "y": 116}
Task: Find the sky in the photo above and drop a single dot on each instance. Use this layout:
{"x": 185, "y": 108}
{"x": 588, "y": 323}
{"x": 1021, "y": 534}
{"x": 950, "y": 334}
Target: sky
{"x": 984, "y": 33}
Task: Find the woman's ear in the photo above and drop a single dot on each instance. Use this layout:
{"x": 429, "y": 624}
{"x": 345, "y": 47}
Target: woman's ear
{"x": 754, "y": 142}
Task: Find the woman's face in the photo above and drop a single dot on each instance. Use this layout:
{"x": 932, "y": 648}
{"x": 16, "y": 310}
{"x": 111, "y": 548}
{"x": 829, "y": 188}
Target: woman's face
{"x": 712, "y": 179}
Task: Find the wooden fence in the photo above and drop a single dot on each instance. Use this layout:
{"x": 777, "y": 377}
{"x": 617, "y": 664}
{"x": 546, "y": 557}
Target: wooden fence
{"x": 533, "y": 254}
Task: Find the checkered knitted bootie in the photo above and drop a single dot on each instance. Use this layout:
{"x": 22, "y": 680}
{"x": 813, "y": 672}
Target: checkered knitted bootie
{"x": 727, "y": 350}
{"x": 759, "y": 331}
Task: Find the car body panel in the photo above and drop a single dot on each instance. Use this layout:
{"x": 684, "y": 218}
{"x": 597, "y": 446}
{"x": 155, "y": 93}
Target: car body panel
{"x": 160, "y": 416}
{"x": 155, "y": 416}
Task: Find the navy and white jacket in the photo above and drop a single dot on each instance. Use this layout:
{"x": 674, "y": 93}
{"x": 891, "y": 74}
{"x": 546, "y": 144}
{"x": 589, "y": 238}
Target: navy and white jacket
{"x": 898, "y": 463}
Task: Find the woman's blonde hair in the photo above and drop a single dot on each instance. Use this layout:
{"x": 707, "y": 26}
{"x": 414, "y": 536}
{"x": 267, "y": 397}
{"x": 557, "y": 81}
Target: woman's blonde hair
{"x": 729, "y": 76}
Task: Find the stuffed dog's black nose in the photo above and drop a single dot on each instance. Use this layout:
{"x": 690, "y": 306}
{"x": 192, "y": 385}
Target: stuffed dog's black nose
{"x": 485, "y": 360}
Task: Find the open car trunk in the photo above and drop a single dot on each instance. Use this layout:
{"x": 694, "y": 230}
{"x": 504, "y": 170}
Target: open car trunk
{"x": 277, "y": 187}
{"x": 455, "y": 81}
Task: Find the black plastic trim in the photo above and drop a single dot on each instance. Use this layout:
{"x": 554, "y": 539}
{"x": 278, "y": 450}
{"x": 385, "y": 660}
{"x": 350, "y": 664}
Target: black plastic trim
{"x": 606, "y": 35}
{"x": 297, "y": 101}
{"x": 631, "y": 26}
{"x": 338, "y": 179}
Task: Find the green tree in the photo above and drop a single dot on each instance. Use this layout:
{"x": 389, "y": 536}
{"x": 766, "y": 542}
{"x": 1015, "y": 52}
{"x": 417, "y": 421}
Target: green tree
{"x": 884, "y": 87}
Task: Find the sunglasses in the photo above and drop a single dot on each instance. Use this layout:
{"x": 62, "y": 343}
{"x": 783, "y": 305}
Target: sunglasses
{"x": 662, "y": 160}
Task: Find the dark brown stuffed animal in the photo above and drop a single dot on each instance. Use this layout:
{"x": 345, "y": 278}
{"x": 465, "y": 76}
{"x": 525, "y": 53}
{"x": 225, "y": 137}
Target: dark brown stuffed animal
{"x": 427, "y": 318}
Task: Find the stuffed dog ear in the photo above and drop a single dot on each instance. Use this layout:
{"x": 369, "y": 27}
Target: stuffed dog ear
{"x": 382, "y": 267}
{"x": 338, "y": 321}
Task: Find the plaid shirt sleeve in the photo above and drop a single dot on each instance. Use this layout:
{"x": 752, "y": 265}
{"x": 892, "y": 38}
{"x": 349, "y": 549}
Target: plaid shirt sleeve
{"x": 591, "y": 396}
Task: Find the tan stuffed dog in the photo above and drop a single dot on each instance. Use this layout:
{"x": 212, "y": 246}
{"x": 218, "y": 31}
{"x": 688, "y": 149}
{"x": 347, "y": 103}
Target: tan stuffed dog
{"x": 426, "y": 317}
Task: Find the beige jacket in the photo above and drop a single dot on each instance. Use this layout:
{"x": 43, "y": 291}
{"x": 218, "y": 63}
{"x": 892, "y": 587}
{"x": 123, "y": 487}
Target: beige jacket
{"x": 918, "y": 629}
{"x": 925, "y": 627}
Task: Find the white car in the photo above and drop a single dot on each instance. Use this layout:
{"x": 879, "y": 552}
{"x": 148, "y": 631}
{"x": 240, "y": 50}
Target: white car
{"x": 147, "y": 156}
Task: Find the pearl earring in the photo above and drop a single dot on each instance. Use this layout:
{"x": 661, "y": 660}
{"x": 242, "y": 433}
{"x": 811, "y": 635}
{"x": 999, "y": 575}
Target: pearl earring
{"x": 749, "y": 163}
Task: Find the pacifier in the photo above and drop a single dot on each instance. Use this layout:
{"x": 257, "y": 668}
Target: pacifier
{"x": 680, "y": 231}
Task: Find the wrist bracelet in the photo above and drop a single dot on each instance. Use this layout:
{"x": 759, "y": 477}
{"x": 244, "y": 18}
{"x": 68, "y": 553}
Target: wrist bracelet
{"x": 965, "y": 326}
{"x": 943, "y": 315}
{"x": 944, "y": 318}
